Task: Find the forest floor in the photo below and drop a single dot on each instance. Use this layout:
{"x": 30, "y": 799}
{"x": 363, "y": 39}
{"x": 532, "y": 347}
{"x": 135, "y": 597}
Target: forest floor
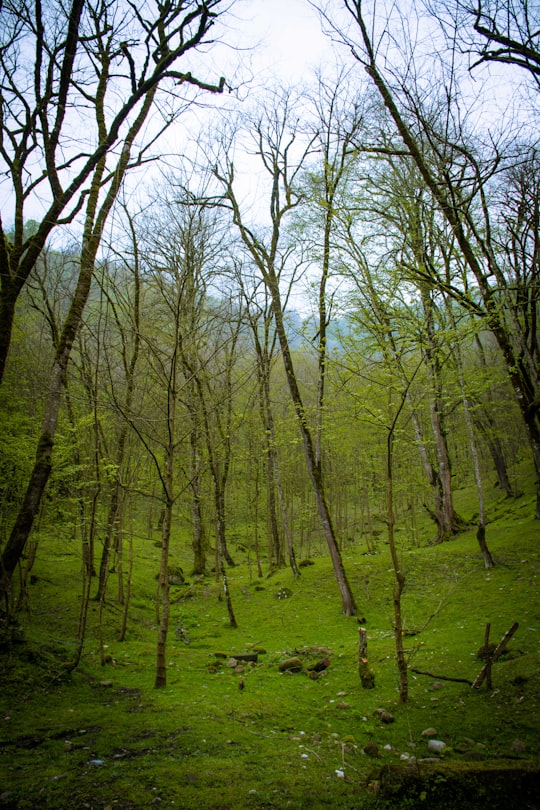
{"x": 217, "y": 737}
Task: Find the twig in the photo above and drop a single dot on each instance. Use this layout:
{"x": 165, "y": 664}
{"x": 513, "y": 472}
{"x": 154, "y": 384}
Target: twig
{"x": 442, "y": 677}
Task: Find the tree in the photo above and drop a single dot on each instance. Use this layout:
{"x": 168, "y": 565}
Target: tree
{"x": 37, "y": 120}
{"x": 461, "y": 179}
{"x": 276, "y": 140}
{"x": 259, "y": 317}
{"x": 339, "y": 120}
{"x": 505, "y": 32}
{"x": 122, "y": 292}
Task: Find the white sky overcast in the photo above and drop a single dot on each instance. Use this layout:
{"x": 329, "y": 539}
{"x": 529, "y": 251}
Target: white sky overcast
{"x": 291, "y": 40}
{"x": 286, "y": 36}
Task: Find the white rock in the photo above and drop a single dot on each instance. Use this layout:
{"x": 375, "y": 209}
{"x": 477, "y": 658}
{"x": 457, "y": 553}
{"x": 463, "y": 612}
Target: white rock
{"x": 436, "y": 746}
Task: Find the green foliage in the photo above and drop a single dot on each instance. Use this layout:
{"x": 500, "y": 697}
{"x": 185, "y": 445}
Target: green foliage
{"x": 104, "y": 737}
{"x": 17, "y": 450}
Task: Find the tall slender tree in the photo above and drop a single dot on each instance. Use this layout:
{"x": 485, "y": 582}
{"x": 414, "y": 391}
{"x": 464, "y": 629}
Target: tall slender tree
{"x": 277, "y": 139}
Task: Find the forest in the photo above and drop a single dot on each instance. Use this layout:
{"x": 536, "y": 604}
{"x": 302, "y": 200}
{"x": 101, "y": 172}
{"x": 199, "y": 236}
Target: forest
{"x": 270, "y": 408}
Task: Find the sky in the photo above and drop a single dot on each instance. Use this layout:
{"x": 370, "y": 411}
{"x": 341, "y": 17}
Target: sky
{"x": 291, "y": 41}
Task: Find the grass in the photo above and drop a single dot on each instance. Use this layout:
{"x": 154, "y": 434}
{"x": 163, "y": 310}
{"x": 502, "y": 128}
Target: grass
{"x": 105, "y": 738}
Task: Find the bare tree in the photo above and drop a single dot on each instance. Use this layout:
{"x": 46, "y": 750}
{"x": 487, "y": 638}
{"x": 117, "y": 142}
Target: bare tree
{"x": 96, "y": 54}
{"x": 506, "y": 32}
{"x": 277, "y": 139}
{"x": 36, "y": 99}
{"x": 260, "y": 319}
{"x": 339, "y": 120}
{"x": 461, "y": 179}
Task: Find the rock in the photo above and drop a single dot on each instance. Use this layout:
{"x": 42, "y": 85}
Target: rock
{"x": 384, "y": 716}
{"x": 232, "y": 663}
{"x": 371, "y": 749}
{"x": 436, "y": 746}
{"x": 342, "y": 705}
{"x": 519, "y": 747}
{"x": 291, "y": 665}
{"x": 436, "y": 685}
{"x": 246, "y": 657}
{"x": 429, "y": 732}
{"x": 319, "y": 666}
{"x": 106, "y": 683}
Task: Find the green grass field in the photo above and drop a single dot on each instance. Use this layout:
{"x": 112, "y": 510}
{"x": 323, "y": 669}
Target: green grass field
{"x": 103, "y": 737}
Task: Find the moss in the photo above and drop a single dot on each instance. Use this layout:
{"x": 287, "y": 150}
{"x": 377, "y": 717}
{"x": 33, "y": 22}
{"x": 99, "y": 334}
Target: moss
{"x": 453, "y": 786}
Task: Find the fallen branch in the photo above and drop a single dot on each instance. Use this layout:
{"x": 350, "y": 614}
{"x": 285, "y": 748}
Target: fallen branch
{"x": 441, "y": 677}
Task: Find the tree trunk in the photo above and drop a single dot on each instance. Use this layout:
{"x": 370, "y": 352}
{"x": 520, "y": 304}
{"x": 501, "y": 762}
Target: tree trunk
{"x": 481, "y": 532}
{"x": 397, "y": 566}
{"x": 195, "y": 475}
{"x": 348, "y": 603}
{"x": 161, "y": 660}
{"x": 8, "y": 299}
{"x": 93, "y": 229}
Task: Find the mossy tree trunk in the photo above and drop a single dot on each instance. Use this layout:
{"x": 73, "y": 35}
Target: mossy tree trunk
{"x": 95, "y": 219}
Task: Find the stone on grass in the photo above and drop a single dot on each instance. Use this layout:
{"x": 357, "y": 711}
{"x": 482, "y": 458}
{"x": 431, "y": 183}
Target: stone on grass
{"x": 291, "y": 665}
{"x": 436, "y": 746}
{"x": 429, "y": 732}
{"x": 319, "y": 666}
{"x": 371, "y": 749}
